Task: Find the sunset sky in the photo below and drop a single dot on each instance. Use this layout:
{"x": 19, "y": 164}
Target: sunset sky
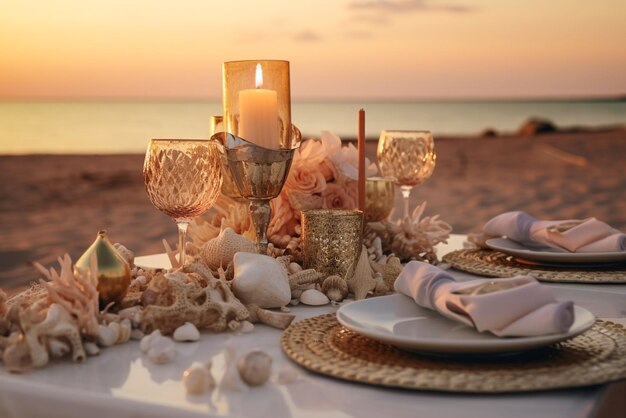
{"x": 338, "y": 49}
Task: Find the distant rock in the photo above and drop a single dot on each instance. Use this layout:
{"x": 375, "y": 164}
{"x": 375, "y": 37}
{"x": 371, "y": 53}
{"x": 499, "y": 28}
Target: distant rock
{"x": 488, "y": 133}
{"x": 536, "y": 126}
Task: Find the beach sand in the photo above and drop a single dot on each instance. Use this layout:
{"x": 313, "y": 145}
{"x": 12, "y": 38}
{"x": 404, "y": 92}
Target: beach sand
{"x": 53, "y": 204}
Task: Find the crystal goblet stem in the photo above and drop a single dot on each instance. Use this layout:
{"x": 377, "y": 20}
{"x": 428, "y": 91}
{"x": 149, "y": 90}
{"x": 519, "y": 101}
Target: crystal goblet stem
{"x": 182, "y": 225}
{"x": 406, "y": 192}
{"x": 260, "y": 213}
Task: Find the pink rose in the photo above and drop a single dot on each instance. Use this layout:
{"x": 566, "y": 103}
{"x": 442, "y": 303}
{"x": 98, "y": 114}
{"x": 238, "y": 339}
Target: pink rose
{"x": 283, "y": 220}
{"x": 335, "y": 197}
{"x": 305, "y": 178}
{"x": 328, "y": 170}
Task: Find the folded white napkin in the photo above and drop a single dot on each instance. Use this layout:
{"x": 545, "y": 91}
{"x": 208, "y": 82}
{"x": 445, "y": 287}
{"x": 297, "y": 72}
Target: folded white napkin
{"x": 582, "y": 236}
{"x": 514, "y": 307}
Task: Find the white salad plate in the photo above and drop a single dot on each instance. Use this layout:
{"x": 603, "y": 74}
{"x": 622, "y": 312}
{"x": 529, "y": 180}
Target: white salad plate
{"x": 397, "y": 320}
{"x": 550, "y": 255}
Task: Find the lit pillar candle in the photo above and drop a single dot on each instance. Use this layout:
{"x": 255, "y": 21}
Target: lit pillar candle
{"x": 258, "y": 114}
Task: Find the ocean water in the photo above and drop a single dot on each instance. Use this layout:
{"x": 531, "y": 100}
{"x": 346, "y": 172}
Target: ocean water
{"x": 121, "y": 127}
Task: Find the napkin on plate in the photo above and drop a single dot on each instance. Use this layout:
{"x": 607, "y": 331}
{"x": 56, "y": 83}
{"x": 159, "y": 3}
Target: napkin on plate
{"x": 514, "y": 307}
{"x": 581, "y": 236}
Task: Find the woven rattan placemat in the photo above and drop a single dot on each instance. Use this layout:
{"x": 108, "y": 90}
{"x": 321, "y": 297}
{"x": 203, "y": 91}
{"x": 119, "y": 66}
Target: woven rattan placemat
{"x": 322, "y": 345}
{"x": 496, "y": 264}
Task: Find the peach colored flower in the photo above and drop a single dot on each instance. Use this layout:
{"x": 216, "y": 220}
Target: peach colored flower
{"x": 283, "y": 221}
{"x": 336, "y": 197}
{"x": 306, "y": 178}
{"x": 328, "y": 170}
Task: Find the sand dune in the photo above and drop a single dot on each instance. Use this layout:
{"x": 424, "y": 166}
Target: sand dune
{"x": 55, "y": 204}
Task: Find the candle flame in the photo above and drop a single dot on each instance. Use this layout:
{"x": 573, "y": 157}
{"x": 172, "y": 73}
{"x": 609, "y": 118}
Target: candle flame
{"x": 259, "y": 76}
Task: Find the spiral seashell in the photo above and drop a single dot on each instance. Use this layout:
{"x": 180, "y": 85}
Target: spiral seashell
{"x": 220, "y": 251}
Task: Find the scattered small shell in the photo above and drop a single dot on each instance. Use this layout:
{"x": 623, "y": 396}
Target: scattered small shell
{"x": 255, "y": 367}
{"x": 246, "y": 327}
{"x": 162, "y": 350}
{"x": 335, "y": 287}
{"x": 287, "y": 375}
{"x": 198, "y": 379}
{"x": 279, "y": 320}
{"x": 231, "y": 379}
{"x": 314, "y": 298}
{"x": 362, "y": 280}
{"x": 147, "y": 340}
{"x": 107, "y": 335}
{"x": 91, "y": 348}
{"x": 234, "y": 326}
{"x": 285, "y": 309}
{"x": 294, "y": 268}
{"x": 136, "y": 334}
{"x": 187, "y": 332}
{"x": 58, "y": 348}
{"x": 124, "y": 331}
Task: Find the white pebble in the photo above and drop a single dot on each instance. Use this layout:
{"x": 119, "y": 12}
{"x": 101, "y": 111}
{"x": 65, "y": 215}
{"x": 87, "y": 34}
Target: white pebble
{"x": 187, "y": 332}
{"x": 124, "y": 330}
{"x": 294, "y": 268}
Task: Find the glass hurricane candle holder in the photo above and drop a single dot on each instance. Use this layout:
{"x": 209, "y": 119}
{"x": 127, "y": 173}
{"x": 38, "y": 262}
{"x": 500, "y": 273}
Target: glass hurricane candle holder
{"x": 257, "y": 102}
{"x": 259, "y": 139}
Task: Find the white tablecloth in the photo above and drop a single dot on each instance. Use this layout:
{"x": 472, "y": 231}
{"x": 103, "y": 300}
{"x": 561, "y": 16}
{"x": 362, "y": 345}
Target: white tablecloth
{"x": 121, "y": 382}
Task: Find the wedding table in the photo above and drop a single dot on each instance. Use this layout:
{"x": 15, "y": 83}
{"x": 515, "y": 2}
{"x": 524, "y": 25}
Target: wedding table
{"x": 122, "y": 382}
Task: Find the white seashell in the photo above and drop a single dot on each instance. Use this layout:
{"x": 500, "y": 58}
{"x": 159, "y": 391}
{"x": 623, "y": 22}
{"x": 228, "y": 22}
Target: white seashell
{"x": 147, "y": 340}
{"x": 162, "y": 350}
{"x": 58, "y": 348}
{"x": 107, "y": 335}
{"x": 314, "y": 298}
{"x": 91, "y": 348}
{"x": 186, "y": 332}
{"x": 246, "y": 327}
{"x": 255, "y": 367}
{"x": 125, "y": 328}
{"x": 198, "y": 379}
{"x": 261, "y": 280}
{"x": 136, "y": 334}
{"x": 129, "y": 313}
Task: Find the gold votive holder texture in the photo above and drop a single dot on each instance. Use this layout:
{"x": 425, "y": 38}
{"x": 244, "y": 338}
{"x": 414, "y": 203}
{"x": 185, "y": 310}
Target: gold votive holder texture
{"x": 331, "y": 240}
{"x": 379, "y": 194}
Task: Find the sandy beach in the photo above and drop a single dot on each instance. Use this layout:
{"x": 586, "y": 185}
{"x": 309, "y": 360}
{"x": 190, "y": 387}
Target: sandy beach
{"x": 53, "y": 204}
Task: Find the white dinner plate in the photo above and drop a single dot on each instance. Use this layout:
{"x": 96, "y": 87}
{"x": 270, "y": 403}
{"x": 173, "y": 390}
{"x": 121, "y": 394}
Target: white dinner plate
{"x": 549, "y": 255}
{"x": 153, "y": 261}
{"x": 397, "y": 320}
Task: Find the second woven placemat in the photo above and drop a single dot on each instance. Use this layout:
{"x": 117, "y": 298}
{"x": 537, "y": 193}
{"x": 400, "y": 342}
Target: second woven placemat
{"x": 496, "y": 264}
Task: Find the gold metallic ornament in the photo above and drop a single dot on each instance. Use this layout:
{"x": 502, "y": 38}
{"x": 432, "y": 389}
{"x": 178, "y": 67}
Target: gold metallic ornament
{"x": 113, "y": 270}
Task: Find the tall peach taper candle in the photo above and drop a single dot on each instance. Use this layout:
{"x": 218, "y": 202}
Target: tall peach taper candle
{"x": 361, "y": 147}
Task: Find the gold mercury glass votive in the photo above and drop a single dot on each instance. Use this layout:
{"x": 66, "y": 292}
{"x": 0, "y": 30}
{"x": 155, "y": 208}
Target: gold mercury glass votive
{"x": 331, "y": 240}
{"x": 379, "y": 194}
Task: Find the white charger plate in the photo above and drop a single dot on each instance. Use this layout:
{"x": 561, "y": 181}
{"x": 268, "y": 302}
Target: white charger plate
{"x": 153, "y": 261}
{"x": 550, "y": 255}
{"x": 397, "y": 320}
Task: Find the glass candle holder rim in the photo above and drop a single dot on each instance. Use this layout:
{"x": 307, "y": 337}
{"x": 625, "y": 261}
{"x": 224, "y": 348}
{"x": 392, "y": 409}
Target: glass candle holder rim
{"x": 338, "y": 212}
{"x": 408, "y": 131}
{"x": 207, "y": 140}
{"x": 381, "y": 179}
{"x": 255, "y": 61}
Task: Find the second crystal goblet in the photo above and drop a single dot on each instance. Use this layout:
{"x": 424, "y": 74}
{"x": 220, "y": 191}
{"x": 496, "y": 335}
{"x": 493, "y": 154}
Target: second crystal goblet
{"x": 407, "y": 156}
